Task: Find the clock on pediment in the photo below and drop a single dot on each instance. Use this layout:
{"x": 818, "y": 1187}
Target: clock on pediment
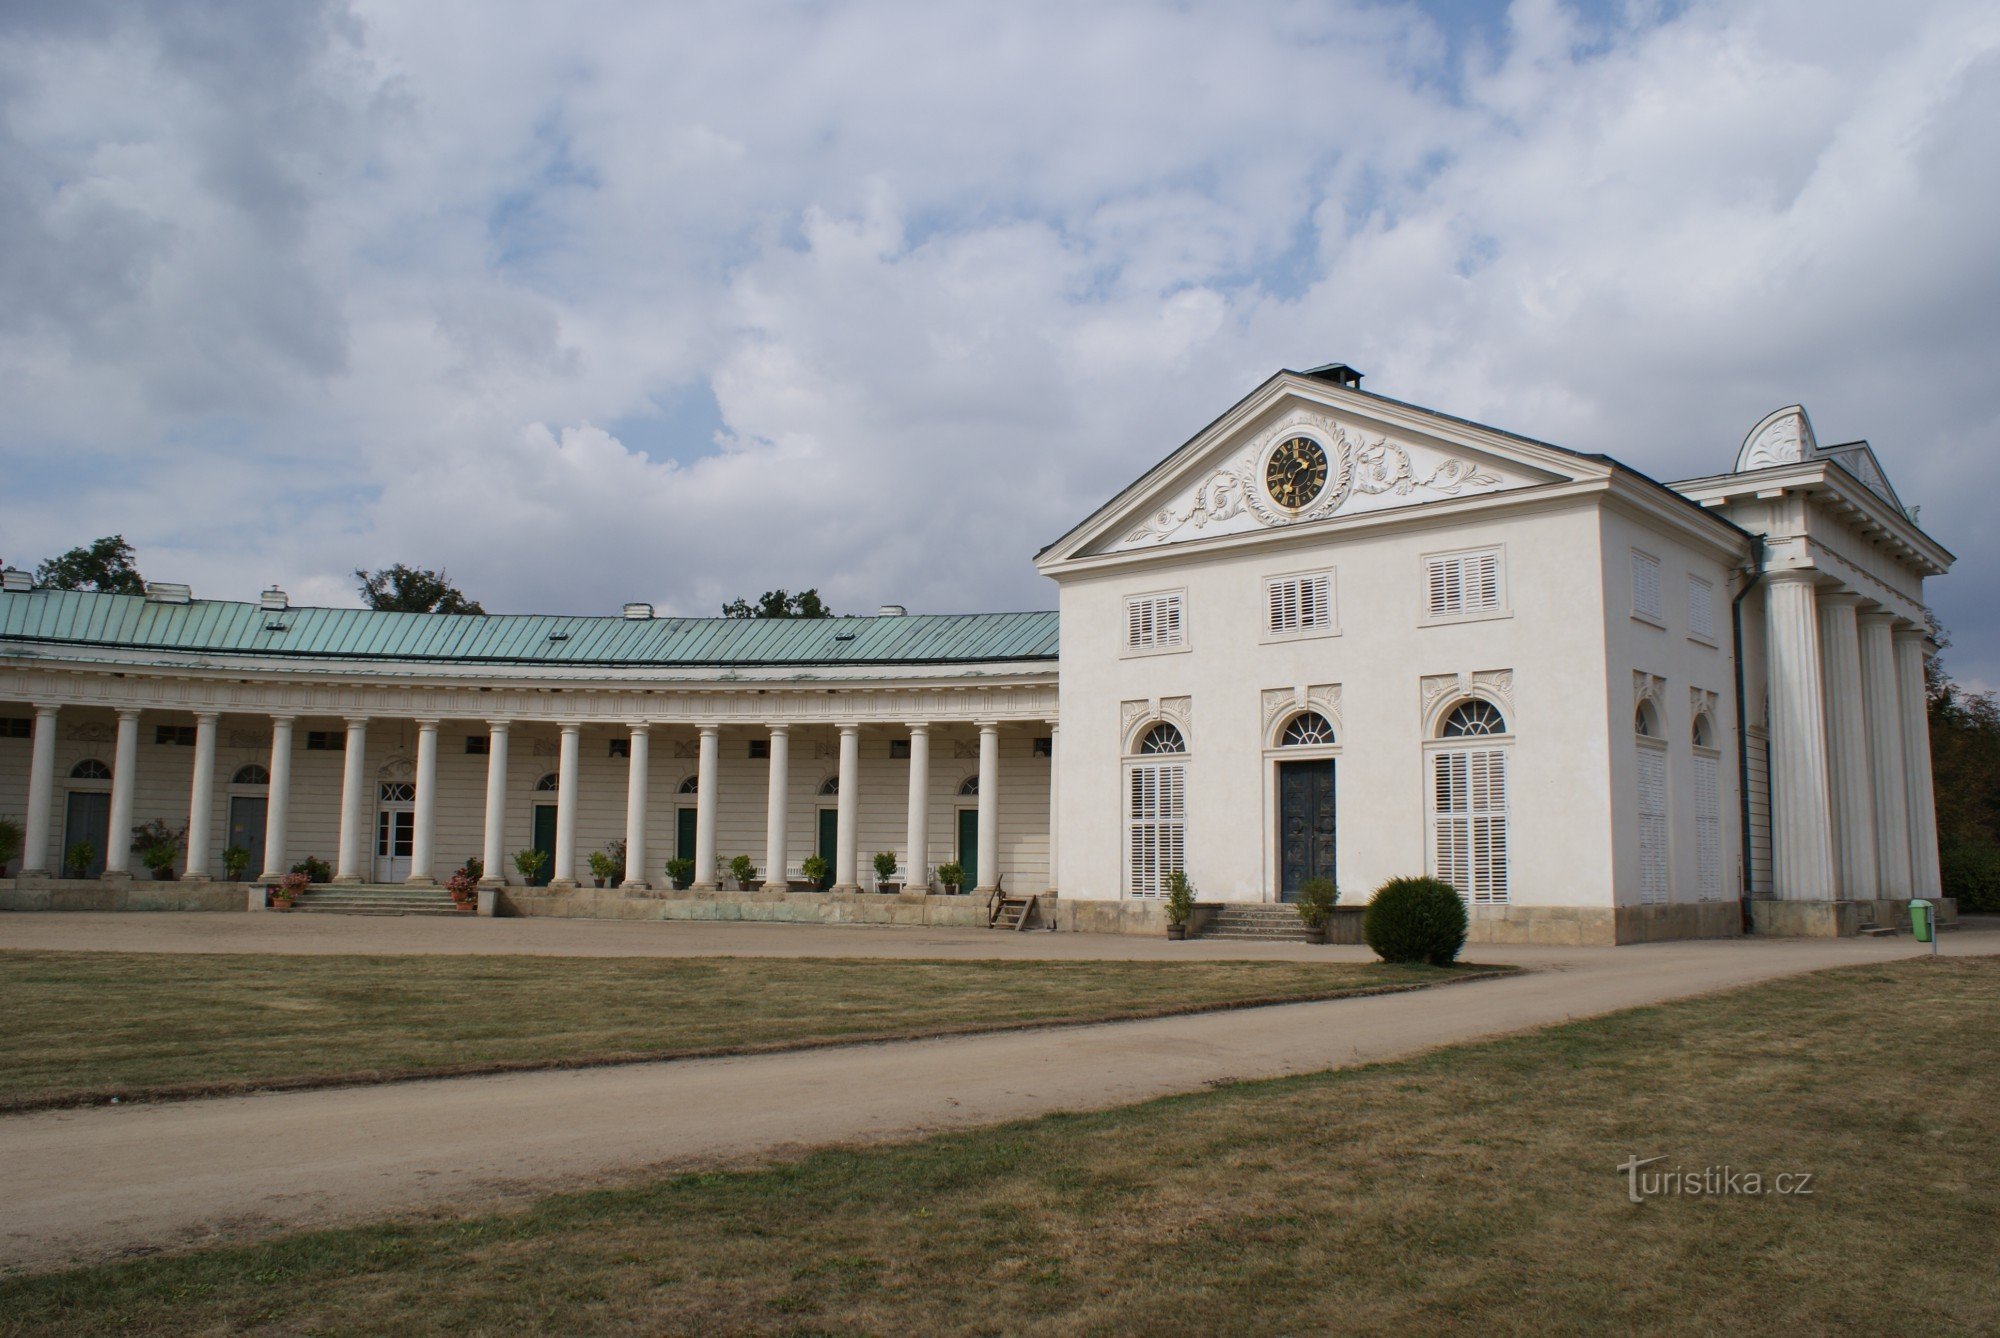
{"x": 1295, "y": 474}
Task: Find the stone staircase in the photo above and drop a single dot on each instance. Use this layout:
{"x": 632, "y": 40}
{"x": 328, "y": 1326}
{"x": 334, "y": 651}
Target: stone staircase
{"x": 376, "y": 899}
{"x": 1268, "y": 922}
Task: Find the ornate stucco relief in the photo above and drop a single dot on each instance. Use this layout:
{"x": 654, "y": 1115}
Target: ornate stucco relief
{"x": 1648, "y": 688}
{"x": 1441, "y": 690}
{"x": 1283, "y": 703}
{"x": 1701, "y": 702}
{"x": 1781, "y": 438}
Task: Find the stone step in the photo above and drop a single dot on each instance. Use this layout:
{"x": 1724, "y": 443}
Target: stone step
{"x": 1273, "y": 935}
{"x": 303, "y": 909}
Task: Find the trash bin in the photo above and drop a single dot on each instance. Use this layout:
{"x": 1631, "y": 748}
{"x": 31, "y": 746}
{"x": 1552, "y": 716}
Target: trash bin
{"x": 1920, "y": 920}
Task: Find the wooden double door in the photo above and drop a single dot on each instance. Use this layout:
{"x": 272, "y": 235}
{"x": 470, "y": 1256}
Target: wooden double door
{"x": 1307, "y": 831}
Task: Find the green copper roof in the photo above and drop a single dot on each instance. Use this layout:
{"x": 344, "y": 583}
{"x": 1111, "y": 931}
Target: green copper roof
{"x": 128, "y": 622}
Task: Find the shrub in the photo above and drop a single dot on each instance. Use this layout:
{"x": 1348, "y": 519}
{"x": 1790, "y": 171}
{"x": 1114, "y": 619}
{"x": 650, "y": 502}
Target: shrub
{"x": 463, "y": 885}
{"x": 815, "y": 870}
{"x": 742, "y": 870}
{"x": 1180, "y": 899}
{"x": 475, "y": 867}
{"x": 885, "y": 865}
{"x": 530, "y": 863}
{"x": 1971, "y": 872}
{"x": 10, "y": 841}
{"x": 315, "y": 869}
{"x": 79, "y": 857}
{"x": 602, "y": 866}
{"x": 1315, "y": 902}
{"x": 1415, "y": 920}
{"x": 680, "y": 872}
{"x": 235, "y": 863}
{"x": 952, "y": 874}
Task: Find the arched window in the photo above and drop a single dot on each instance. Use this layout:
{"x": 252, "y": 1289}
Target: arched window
{"x": 90, "y": 769}
{"x": 969, "y": 786}
{"x": 1306, "y": 729}
{"x": 1162, "y": 738}
{"x": 398, "y": 792}
{"x": 1704, "y": 731}
{"x": 549, "y": 783}
{"x": 1646, "y": 721}
{"x": 830, "y": 786}
{"x": 252, "y": 774}
{"x": 692, "y": 785}
{"x": 1473, "y": 719}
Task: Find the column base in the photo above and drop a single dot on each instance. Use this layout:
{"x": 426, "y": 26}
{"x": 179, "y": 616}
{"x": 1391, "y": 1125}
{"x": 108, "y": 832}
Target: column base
{"x": 703, "y": 887}
{"x": 563, "y": 885}
{"x": 423, "y": 880}
{"x": 984, "y": 891}
{"x": 269, "y": 876}
{"x": 197, "y": 879}
{"x": 777, "y": 887}
{"x": 484, "y": 883}
{"x": 347, "y": 880}
{"x": 634, "y": 885}
{"x": 115, "y": 876}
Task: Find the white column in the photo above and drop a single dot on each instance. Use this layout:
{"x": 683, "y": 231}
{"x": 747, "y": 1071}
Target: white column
{"x": 639, "y": 765}
{"x": 989, "y": 806}
{"x": 1882, "y": 707}
{"x": 423, "y": 840}
{"x": 917, "y": 876}
{"x": 568, "y": 763}
{"x": 1055, "y": 802}
{"x": 124, "y": 777}
{"x": 777, "y": 809}
{"x": 847, "y": 839}
{"x": 707, "y": 783}
{"x": 493, "y": 851}
{"x": 1847, "y": 746}
{"x": 277, "y": 800}
{"x": 1801, "y": 806}
{"x": 1925, "y": 880}
{"x": 201, "y": 800}
{"x": 41, "y": 794}
{"x": 351, "y": 851}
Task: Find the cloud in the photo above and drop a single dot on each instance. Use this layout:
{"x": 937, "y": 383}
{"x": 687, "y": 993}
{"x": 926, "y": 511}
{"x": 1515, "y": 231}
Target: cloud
{"x": 296, "y": 289}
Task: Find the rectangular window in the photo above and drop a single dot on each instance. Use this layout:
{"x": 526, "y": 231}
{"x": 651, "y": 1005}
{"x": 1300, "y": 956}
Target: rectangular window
{"x": 1456, "y": 584}
{"x": 1045, "y": 747}
{"x": 478, "y": 745}
{"x": 1708, "y": 826}
{"x": 180, "y": 735}
{"x": 17, "y": 727}
{"x": 1701, "y": 609}
{"x": 1153, "y": 622}
{"x": 1652, "y": 824}
{"x": 1646, "y": 586}
{"x": 1155, "y": 826}
{"x": 1298, "y": 605}
{"x": 1469, "y": 822}
{"x": 618, "y": 747}
{"x": 899, "y": 750}
{"x": 760, "y": 750}
{"x": 326, "y": 741}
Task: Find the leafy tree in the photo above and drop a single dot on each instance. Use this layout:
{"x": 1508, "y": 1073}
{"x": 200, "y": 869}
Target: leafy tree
{"x": 1965, "y": 773}
{"x": 401, "y": 589}
{"x": 780, "y": 604}
{"x": 105, "y": 566}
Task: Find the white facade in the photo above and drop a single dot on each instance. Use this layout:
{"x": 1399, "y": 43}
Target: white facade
{"x": 1332, "y": 634}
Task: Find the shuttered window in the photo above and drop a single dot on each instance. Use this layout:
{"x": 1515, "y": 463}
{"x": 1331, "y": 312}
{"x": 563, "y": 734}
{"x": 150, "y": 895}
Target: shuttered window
{"x": 1153, "y": 622}
{"x": 1295, "y": 605}
{"x": 1155, "y": 825}
{"x": 1646, "y": 586}
{"x": 1469, "y": 822}
{"x": 1461, "y": 583}
{"x": 1708, "y": 826}
{"x": 1652, "y": 824}
{"x": 1701, "y": 608}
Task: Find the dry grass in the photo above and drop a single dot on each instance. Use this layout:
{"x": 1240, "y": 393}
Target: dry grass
{"x": 88, "y": 1026}
{"x": 1471, "y": 1189}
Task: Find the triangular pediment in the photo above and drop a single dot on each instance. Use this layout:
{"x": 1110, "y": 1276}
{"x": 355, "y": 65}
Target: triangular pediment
{"x": 1858, "y": 459}
{"x": 1299, "y": 452}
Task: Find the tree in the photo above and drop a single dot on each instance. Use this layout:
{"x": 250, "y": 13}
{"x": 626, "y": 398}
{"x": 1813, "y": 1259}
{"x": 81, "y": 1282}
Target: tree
{"x": 105, "y": 566}
{"x": 780, "y": 604}
{"x": 1965, "y": 774}
{"x": 401, "y": 589}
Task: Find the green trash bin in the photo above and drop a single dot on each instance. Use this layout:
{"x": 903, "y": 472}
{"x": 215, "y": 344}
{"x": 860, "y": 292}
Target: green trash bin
{"x": 1920, "y": 920}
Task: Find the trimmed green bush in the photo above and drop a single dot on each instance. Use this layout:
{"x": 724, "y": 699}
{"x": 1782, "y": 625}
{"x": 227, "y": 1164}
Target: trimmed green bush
{"x": 1415, "y": 920}
{"x": 1971, "y": 872}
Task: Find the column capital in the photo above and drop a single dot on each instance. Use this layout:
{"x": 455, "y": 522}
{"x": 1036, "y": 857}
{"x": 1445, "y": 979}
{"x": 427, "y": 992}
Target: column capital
{"x": 1878, "y": 617}
{"x": 1842, "y": 596}
{"x": 47, "y": 710}
{"x": 781, "y": 729}
{"x": 282, "y": 719}
{"x": 1909, "y": 631}
{"x": 711, "y": 731}
{"x": 428, "y": 723}
{"x": 988, "y": 726}
{"x": 917, "y": 726}
{"x": 639, "y": 726}
{"x": 1792, "y": 576}
{"x": 129, "y": 712}
{"x": 848, "y": 726}
{"x": 570, "y": 726}
{"x": 207, "y": 717}
{"x": 499, "y": 726}
{"x": 357, "y": 721}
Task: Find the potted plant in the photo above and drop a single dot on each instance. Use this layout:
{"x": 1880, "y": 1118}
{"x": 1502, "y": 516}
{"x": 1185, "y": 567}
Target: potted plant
{"x": 78, "y": 859}
{"x": 464, "y": 889}
{"x": 601, "y": 867}
{"x": 949, "y": 876}
{"x": 315, "y": 869}
{"x": 476, "y": 867}
{"x": 816, "y": 871}
{"x": 885, "y": 870}
{"x": 1315, "y": 905}
{"x": 235, "y": 863}
{"x": 1180, "y": 904}
{"x": 530, "y": 863}
{"x": 289, "y": 889}
{"x": 156, "y": 845}
{"x": 617, "y": 852}
{"x": 10, "y": 843}
{"x": 680, "y": 872}
{"x": 742, "y": 870}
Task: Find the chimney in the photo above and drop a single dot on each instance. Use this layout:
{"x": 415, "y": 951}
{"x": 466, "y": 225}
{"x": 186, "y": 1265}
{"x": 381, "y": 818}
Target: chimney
{"x": 1339, "y": 373}
{"x": 891, "y": 611}
{"x": 168, "y": 592}
{"x": 638, "y": 613}
{"x": 273, "y": 600}
{"x": 15, "y": 581}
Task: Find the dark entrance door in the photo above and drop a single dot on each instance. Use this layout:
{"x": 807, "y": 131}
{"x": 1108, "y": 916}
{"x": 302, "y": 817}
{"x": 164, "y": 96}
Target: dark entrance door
{"x": 1305, "y": 825}
{"x": 968, "y": 847}
{"x": 684, "y": 835}
{"x": 545, "y": 841}
{"x": 829, "y": 843}
{"x": 246, "y": 829}
{"x": 88, "y": 819}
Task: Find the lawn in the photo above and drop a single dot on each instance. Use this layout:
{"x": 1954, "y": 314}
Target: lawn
{"x": 1474, "y": 1188}
{"x": 85, "y": 1026}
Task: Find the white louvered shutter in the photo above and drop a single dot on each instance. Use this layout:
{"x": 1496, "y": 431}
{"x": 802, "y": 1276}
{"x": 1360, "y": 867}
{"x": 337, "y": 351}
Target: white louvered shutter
{"x": 1297, "y": 604}
{"x": 1469, "y": 822}
{"x": 1445, "y": 587}
{"x": 1462, "y": 583}
{"x": 1482, "y": 582}
{"x": 1156, "y": 826}
{"x": 1652, "y": 824}
{"x": 1645, "y": 584}
{"x": 1152, "y": 621}
{"x": 1701, "y": 608}
{"x": 1708, "y": 826}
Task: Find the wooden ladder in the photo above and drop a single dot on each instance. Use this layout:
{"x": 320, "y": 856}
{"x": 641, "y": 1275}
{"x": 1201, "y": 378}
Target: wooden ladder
{"x": 1010, "y": 912}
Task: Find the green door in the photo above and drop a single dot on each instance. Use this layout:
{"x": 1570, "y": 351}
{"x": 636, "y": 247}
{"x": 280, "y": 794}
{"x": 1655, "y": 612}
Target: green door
{"x": 829, "y": 843}
{"x": 684, "y": 835}
{"x": 545, "y": 841}
{"x": 968, "y": 847}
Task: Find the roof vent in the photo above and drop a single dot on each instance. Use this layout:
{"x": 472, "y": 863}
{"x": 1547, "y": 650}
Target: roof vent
{"x": 15, "y": 581}
{"x": 638, "y": 613}
{"x": 1339, "y": 373}
{"x": 559, "y": 636}
{"x": 891, "y": 611}
{"x": 168, "y": 592}
{"x": 273, "y": 600}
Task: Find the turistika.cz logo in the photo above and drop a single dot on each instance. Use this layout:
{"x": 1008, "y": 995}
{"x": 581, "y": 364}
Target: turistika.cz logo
{"x": 1707, "y": 1181}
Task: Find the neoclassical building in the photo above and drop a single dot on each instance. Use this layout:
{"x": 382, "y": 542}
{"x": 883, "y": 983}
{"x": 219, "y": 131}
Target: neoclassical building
{"x": 1332, "y": 634}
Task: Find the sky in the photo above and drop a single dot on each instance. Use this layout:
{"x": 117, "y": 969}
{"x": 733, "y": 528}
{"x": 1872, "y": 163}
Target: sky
{"x": 603, "y": 302}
